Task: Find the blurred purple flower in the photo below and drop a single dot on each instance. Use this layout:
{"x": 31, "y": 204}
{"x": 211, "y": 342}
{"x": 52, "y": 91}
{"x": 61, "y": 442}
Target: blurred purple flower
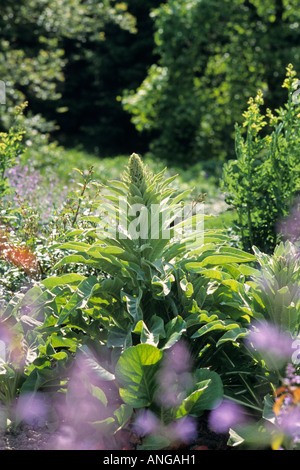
{"x": 274, "y": 344}
{"x": 290, "y": 226}
{"x": 32, "y": 408}
{"x": 5, "y": 334}
{"x": 225, "y": 416}
{"x": 289, "y": 421}
{"x": 174, "y": 378}
{"x": 291, "y": 376}
{"x": 80, "y": 409}
{"x": 182, "y": 430}
{"x": 178, "y": 358}
{"x": 146, "y": 423}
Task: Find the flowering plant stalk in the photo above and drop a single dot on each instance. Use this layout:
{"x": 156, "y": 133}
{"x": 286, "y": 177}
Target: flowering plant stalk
{"x": 263, "y": 181}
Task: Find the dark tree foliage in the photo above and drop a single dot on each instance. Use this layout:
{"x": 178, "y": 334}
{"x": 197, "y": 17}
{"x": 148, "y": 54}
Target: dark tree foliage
{"x": 96, "y": 74}
{"x": 213, "y": 55}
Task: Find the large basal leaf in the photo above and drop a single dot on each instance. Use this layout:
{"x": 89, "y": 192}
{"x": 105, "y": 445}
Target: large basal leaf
{"x": 224, "y": 256}
{"x": 153, "y": 333}
{"x": 233, "y": 335}
{"x": 216, "y": 325}
{"x": 191, "y": 405}
{"x": 136, "y": 374}
{"x": 80, "y": 298}
{"x": 99, "y": 372}
{"x": 133, "y": 305}
{"x": 174, "y": 329}
{"x": 207, "y": 394}
{"x": 69, "y": 279}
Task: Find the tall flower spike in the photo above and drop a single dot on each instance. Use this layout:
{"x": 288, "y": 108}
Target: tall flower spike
{"x": 136, "y": 169}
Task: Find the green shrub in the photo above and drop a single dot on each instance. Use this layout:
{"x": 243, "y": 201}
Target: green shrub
{"x": 262, "y": 183}
{"x": 10, "y": 148}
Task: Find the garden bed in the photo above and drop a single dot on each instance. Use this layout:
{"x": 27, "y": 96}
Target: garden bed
{"x": 27, "y": 437}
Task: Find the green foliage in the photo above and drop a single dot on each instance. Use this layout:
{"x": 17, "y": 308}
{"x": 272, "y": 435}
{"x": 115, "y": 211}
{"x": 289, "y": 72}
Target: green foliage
{"x": 211, "y": 55}
{"x": 34, "y": 221}
{"x": 33, "y": 59}
{"x": 10, "y": 148}
{"x": 121, "y": 300}
{"x": 262, "y": 183}
{"x": 137, "y": 370}
{"x": 275, "y": 288}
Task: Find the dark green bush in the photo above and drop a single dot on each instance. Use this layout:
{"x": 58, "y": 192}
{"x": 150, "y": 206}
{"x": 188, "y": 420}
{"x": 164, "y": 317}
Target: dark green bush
{"x": 264, "y": 180}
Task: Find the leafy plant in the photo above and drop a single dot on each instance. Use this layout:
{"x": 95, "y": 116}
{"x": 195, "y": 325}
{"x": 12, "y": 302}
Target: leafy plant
{"x": 10, "y": 148}
{"x": 262, "y": 183}
{"x": 129, "y": 297}
{"x": 275, "y": 288}
{"x": 141, "y": 372}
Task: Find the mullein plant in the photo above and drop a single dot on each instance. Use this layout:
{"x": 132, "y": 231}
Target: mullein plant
{"x": 141, "y": 228}
{"x": 145, "y": 239}
{"x": 155, "y": 276}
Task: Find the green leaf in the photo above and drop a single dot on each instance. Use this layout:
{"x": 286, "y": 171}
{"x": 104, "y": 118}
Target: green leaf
{"x": 192, "y": 404}
{"x": 154, "y": 442}
{"x": 206, "y": 394}
{"x": 123, "y": 415}
{"x": 99, "y": 372}
{"x": 79, "y": 299}
{"x": 174, "y": 330}
{"x": 152, "y": 334}
{"x": 133, "y": 305}
{"x": 98, "y": 393}
{"x": 216, "y": 325}
{"x": 105, "y": 426}
{"x": 162, "y": 287}
{"x": 70, "y": 279}
{"x": 213, "y": 393}
{"x": 119, "y": 338}
{"x": 136, "y": 373}
{"x": 74, "y": 259}
{"x": 219, "y": 259}
{"x": 233, "y": 335}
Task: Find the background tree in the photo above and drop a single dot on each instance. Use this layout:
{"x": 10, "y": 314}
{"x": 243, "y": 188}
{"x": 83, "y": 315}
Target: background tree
{"x": 33, "y": 58}
{"x": 97, "y": 71}
{"x": 213, "y": 55}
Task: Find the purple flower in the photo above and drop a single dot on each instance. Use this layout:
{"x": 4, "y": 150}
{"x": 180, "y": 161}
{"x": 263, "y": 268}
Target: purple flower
{"x": 291, "y": 376}
{"x": 289, "y": 421}
{"x": 35, "y": 190}
{"x": 174, "y": 377}
{"x": 32, "y": 408}
{"x": 290, "y": 226}
{"x": 182, "y": 430}
{"x": 146, "y": 423}
{"x": 271, "y": 342}
{"x": 178, "y": 358}
{"x": 225, "y": 416}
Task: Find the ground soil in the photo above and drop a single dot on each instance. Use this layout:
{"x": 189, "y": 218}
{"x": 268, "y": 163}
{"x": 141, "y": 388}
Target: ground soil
{"x": 40, "y": 438}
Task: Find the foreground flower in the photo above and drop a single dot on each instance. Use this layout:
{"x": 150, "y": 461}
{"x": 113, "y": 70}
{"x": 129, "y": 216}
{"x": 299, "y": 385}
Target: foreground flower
{"x": 179, "y": 430}
{"x": 287, "y": 406}
{"x": 32, "y": 408}
{"x": 182, "y": 430}
{"x": 227, "y": 415}
{"x": 175, "y": 376}
{"x": 146, "y": 423}
{"x": 274, "y": 345}
{"x": 290, "y": 226}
